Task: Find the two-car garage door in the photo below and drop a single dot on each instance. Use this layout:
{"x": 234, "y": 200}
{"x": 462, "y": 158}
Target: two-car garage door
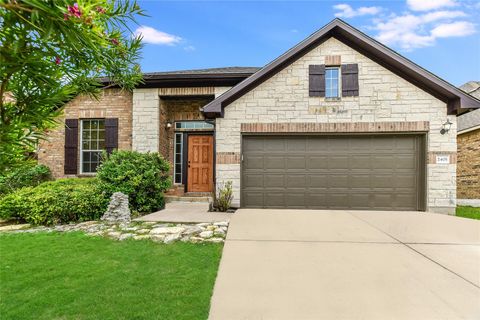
{"x": 380, "y": 172}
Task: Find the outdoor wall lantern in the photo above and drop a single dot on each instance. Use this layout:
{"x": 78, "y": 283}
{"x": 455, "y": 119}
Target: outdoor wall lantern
{"x": 446, "y": 127}
{"x": 169, "y": 125}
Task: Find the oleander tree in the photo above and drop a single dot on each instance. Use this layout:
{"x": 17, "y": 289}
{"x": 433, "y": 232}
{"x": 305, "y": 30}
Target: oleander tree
{"x": 53, "y": 50}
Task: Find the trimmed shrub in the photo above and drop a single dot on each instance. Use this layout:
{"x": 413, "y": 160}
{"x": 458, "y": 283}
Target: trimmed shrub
{"x": 142, "y": 176}
{"x": 53, "y": 202}
{"x": 26, "y": 176}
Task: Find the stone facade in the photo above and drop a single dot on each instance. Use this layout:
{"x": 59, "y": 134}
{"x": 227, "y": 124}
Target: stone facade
{"x": 112, "y": 103}
{"x": 384, "y": 97}
{"x": 468, "y": 166}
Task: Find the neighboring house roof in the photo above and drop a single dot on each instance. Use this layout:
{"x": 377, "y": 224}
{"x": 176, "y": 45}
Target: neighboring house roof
{"x": 455, "y": 98}
{"x": 471, "y": 120}
{"x": 228, "y": 76}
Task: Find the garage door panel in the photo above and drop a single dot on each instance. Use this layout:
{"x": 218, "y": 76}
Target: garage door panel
{"x": 295, "y": 162}
{"x": 296, "y": 181}
{"x": 338, "y": 162}
{"x": 405, "y": 162}
{"x": 253, "y": 180}
{"x": 275, "y": 145}
{"x": 361, "y": 162}
{"x": 317, "y": 181}
{"x": 338, "y": 181}
{"x": 254, "y": 162}
{"x": 274, "y": 162}
{"x": 275, "y": 199}
{"x": 317, "y": 162}
{"x": 254, "y": 144}
{"x": 274, "y": 180}
{"x": 253, "y": 199}
{"x": 295, "y": 200}
{"x": 297, "y": 144}
{"x": 360, "y": 181}
{"x": 337, "y": 172}
{"x": 338, "y": 200}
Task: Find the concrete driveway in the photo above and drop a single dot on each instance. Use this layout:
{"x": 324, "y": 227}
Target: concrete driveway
{"x": 308, "y": 264}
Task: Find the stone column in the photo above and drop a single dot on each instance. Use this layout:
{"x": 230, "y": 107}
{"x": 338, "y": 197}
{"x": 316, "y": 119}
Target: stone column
{"x": 146, "y": 120}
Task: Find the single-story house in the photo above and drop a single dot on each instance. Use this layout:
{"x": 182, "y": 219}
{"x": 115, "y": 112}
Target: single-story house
{"x": 337, "y": 122}
{"x": 468, "y": 145}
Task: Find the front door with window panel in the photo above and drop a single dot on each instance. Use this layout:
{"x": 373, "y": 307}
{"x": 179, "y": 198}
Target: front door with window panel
{"x": 200, "y": 163}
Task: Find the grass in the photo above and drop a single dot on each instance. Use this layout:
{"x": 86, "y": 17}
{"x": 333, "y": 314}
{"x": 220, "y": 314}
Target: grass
{"x": 74, "y": 276}
{"x": 468, "y": 212}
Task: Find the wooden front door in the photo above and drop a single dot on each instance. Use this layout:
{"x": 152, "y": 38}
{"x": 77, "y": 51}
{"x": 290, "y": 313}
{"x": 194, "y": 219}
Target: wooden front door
{"x": 200, "y": 163}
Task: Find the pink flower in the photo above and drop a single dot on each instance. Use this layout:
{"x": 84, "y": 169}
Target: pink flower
{"x": 65, "y": 16}
{"x": 57, "y": 60}
{"x": 115, "y": 41}
{"x": 74, "y": 10}
{"x": 101, "y": 10}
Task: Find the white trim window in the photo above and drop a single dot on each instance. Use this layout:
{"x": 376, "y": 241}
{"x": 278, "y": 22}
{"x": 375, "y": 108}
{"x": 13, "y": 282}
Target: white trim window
{"x": 178, "y": 158}
{"x": 332, "y": 82}
{"x": 92, "y": 144}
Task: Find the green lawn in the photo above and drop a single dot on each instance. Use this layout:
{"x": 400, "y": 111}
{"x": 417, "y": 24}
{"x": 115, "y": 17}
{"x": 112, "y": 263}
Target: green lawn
{"x": 73, "y": 276}
{"x": 468, "y": 212}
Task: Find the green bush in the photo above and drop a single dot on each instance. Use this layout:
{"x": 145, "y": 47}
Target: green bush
{"x": 142, "y": 176}
{"x": 53, "y": 202}
{"x": 222, "y": 197}
{"x": 25, "y": 176}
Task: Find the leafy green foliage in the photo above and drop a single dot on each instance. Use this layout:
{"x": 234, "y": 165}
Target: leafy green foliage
{"x": 25, "y": 176}
{"x": 53, "y": 202}
{"x": 51, "y": 51}
{"x": 222, "y": 197}
{"x": 142, "y": 176}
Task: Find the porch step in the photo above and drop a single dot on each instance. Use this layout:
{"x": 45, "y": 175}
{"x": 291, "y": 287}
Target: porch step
{"x": 186, "y": 199}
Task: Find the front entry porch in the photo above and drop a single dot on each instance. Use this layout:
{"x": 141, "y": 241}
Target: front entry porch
{"x": 186, "y": 141}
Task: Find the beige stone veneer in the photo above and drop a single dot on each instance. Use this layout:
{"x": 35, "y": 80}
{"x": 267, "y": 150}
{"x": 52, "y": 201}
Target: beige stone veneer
{"x": 384, "y": 97}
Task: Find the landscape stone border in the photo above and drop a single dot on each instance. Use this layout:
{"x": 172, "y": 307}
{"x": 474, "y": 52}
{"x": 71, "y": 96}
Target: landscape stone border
{"x": 138, "y": 230}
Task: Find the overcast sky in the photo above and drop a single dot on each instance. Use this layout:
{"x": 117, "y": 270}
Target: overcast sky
{"x": 442, "y": 36}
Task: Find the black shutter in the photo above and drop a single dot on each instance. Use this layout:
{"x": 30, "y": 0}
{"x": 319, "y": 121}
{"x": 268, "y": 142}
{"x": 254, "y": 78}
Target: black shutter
{"x": 349, "y": 80}
{"x": 71, "y": 146}
{"x": 111, "y": 134}
{"x": 316, "y": 75}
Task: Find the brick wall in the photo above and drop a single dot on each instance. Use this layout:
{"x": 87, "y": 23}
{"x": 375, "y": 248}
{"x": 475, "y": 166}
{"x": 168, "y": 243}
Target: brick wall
{"x": 112, "y": 103}
{"x": 468, "y": 165}
{"x": 384, "y": 97}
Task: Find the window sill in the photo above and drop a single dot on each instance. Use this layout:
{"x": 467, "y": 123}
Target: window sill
{"x": 333, "y": 99}
{"x": 86, "y": 175}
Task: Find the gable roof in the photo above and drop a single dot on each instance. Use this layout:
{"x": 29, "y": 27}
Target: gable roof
{"x": 455, "y": 98}
{"x": 227, "y": 76}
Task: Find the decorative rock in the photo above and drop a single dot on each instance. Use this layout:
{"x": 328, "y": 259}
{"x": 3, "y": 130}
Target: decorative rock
{"x": 210, "y": 228}
{"x": 167, "y": 230}
{"x": 206, "y": 234}
{"x": 221, "y": 224}
{"x": 142, "y": 231}
{"x": 157, "y": 237}
{"x": 192, "y": 230}
{"x": 125, "y": 236}
{"x": 114, "y": 234}
{"x": 172, "y": 238}
{"x": 215, "y": 240}
{"x": 117, "y": 211}
{"x": 196, "y": 239}
{"x": 219, "y": 232}
{"x": 141, "y": 237}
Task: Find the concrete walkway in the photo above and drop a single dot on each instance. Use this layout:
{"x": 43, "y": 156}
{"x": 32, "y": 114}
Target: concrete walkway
{"x": 186, "y": 212}
{"x": 299, "y": 264}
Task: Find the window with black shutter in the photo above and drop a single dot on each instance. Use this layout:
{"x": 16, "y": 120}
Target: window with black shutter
{"x": 350, "y": 80}
{"x": 316, "y": 75}
{"x": 71, "y": 146}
